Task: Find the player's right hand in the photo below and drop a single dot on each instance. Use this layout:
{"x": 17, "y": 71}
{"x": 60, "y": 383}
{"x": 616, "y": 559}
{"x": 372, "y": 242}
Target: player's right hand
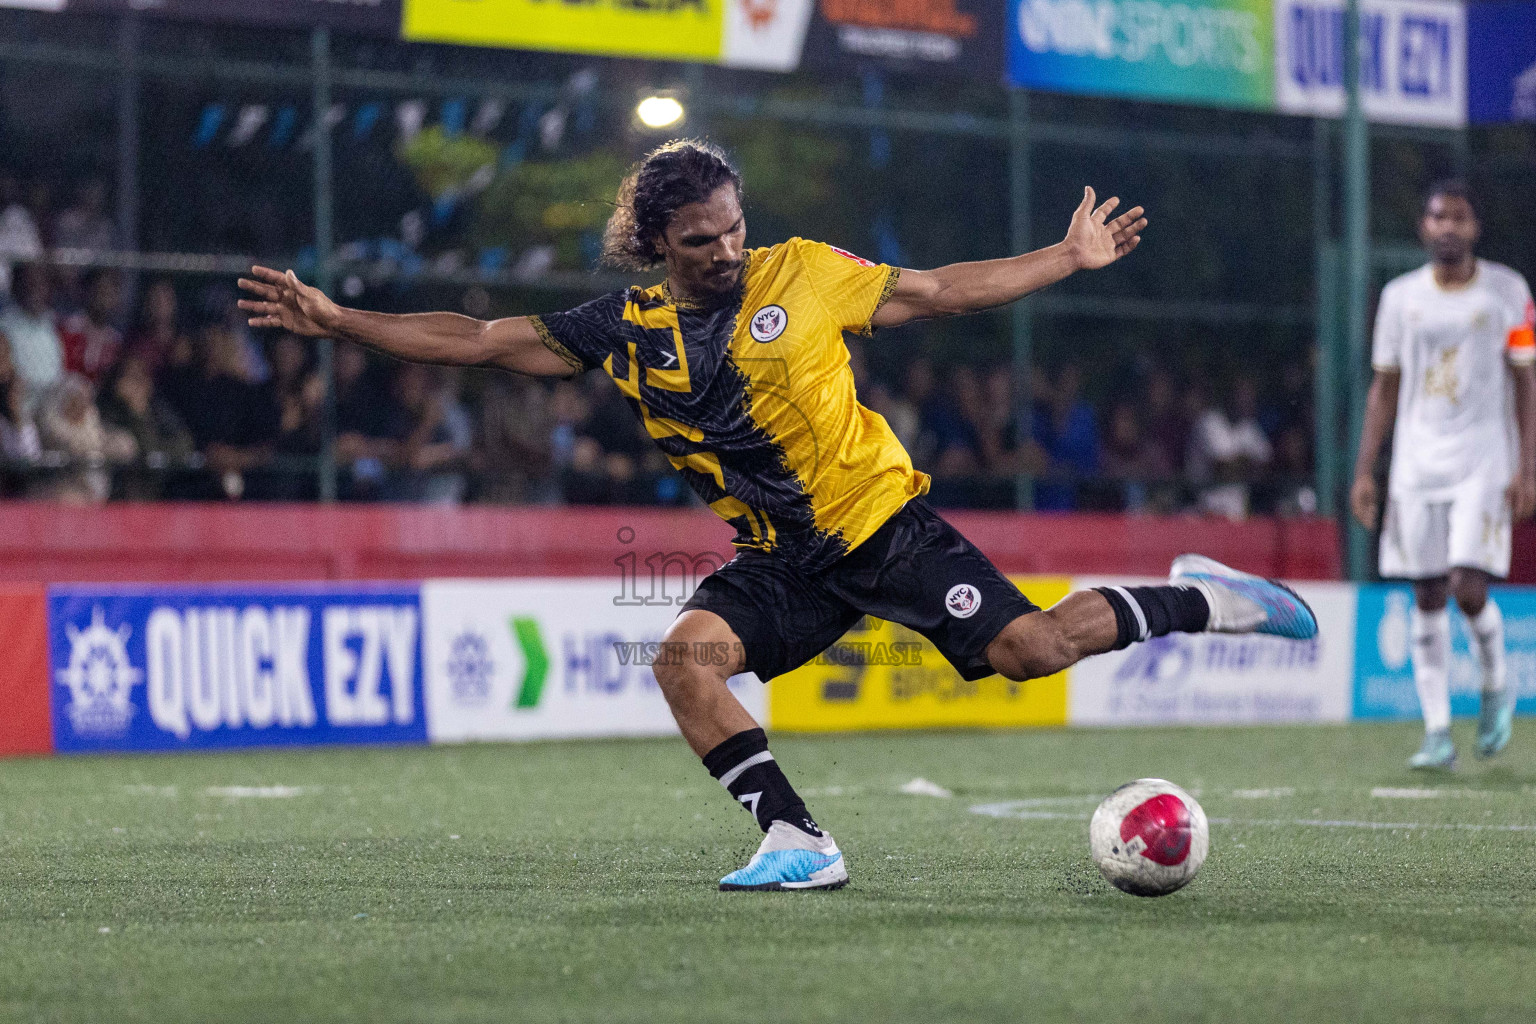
{"x": 282, "y": 300}
{"x": 1365, "y": 501}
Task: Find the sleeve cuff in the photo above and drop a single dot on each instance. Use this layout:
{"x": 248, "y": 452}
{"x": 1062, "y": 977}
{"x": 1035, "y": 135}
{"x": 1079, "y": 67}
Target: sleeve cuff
{"x": 553, "y": 344}
{"x": 886, "y": 291}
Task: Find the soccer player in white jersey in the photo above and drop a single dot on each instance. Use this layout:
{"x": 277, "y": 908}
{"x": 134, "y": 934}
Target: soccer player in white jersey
{"x": 1453, "y": 357}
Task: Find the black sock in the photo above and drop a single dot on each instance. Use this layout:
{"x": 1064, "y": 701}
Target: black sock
{"x": 1142, "y": 612}
{"x": 750, "y": 774}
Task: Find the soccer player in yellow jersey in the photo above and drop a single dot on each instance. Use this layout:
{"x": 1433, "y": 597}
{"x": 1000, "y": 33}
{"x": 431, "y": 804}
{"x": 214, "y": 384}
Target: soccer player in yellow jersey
{"x": 736, "y": 365}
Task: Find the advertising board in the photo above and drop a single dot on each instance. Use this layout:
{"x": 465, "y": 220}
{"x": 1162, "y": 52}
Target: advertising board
{"x": 1216, "y": 678}
{"x": 173, "y": 668}
{"x": 1383, "y": 669}
{"x": 1204, "y": 51}
{"x": 884, "y": 676}
{"x": 667, "y": 29}
{"x": 1413, "y": 60}
{"x": 550, "y": 658}
{"x": 1501, "y": 62}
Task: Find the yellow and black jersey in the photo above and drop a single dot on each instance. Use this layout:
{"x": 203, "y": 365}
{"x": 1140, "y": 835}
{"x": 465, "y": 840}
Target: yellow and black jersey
{"x": 753, "y": 401}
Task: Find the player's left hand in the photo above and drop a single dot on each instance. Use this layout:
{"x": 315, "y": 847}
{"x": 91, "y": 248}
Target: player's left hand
{"x": 1522, "y": 496}
{"x": 1096, "y": 241}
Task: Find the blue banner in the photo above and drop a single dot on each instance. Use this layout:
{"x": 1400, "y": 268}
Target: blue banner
{"x": 1501, "y": 62}
{"x": 194, "y": 668}
{"x": 1383, "y": 654}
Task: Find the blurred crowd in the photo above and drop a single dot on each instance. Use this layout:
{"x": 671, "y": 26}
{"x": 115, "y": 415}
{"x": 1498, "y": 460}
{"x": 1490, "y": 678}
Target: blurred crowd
{"x": 114, "y": 387}
{"x": 1155, "y": 443}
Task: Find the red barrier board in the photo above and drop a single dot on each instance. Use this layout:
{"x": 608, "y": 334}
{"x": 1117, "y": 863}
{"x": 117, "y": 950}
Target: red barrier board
{"x": 171, "y": 543}
{"x": 25, "y": 727}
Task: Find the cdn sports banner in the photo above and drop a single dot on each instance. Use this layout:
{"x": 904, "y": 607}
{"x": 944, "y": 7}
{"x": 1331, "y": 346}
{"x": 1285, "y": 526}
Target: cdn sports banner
{"x": 550, "y": 658}
{"x": 208, "y": 667}
{"x": 1217, "y": 678}
{"x": 1199, "y": 51}
{"x": 1383, "y": 671}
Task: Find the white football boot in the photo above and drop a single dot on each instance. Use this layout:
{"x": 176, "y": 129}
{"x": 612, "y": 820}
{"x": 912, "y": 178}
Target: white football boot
{"x": 1243, "y": 603}
{"x": 789, "y": 858}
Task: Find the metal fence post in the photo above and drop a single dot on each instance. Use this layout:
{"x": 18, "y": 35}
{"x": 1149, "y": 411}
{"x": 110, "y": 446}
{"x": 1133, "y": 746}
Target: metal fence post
{"x": 128, "y": 138}
{"x": 320, "y": 63}
{"x": 1325, "y": 382}
{"x": 1022, "y": 316}
{"x": 1357, "y": 264}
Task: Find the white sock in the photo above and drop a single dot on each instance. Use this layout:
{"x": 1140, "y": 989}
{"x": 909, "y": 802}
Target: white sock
{"x": 1432, "y": 666}
{"x": 1488, "y": 637}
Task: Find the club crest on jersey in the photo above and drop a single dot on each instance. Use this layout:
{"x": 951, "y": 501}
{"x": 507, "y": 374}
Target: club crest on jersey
{"x": 861, "y": 261}
{"x": 768, "y": 323}
{"x": 962, "y": 601}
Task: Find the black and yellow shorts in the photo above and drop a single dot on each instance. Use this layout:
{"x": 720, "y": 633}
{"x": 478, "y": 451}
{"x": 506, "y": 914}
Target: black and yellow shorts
{"x": 916, "y": 569}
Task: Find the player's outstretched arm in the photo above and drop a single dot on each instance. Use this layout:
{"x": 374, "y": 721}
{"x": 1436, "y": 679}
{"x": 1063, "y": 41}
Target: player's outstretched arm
{"x": 281, "y": 300}
{"x": 1093, "y": 241}
{"x": 1380, "y": 412}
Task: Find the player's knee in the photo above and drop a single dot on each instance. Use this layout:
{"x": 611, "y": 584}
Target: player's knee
{"x": 1470, "y": 589}
{"x": 1431, "y": 595}
{"x": 1030, "y": 647}
{"x": 679, "y": 675}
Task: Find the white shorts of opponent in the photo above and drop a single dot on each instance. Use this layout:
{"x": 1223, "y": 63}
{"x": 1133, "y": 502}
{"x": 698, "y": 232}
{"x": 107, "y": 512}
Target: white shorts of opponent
{"x": 1424, "y": 536}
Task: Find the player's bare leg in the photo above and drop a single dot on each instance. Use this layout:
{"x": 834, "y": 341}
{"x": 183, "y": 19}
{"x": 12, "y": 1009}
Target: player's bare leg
{"x": 1202, "y": 595}
{"x": 699, "y": 653}
{"x": 1045, "y": 642}
{"x": 1496, "y": 711}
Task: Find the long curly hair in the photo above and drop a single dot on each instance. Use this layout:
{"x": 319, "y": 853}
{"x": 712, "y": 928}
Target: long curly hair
{"x": 669, "y": 177}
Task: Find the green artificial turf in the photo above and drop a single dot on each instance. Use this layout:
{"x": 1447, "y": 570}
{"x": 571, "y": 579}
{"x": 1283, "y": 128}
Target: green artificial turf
{"x": 576, "y": 881}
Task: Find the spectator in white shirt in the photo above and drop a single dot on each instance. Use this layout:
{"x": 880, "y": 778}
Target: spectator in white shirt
{"x": 19, "y": 237}
{"x": 18, "y": 433}
{"x": 29, "y": 323}
{"x": 1227, "y": 448}
{"x": 70, "y": 424}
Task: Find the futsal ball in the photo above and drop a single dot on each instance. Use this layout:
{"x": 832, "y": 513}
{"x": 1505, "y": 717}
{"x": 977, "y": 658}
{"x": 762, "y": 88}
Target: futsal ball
{"x": 1149, "y": 837}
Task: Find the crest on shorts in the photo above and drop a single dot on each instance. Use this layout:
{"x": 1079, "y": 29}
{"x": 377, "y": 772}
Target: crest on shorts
{"x": 962, "y": 600}
{"x": 768, "y": 323}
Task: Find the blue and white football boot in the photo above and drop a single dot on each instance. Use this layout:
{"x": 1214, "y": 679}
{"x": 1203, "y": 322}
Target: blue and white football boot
{"x": 1437, "y": 751}
{"x": 1495, "y": 721}
{"x": 791, "y": 859}
{"x": 1243, "y": 603}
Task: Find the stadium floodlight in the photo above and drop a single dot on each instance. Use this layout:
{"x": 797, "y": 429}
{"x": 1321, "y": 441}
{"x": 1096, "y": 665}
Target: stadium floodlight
{"x": 659, "y": 111}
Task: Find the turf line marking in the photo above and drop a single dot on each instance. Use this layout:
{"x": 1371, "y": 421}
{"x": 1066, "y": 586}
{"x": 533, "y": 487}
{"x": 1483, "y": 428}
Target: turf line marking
{"x": 922, "y": 787}
{"x": 1345, "y": 823}
{"x": 1015, "y": 809}
{"x": 256, "y": 792}
{"x": 1264, "y": 794}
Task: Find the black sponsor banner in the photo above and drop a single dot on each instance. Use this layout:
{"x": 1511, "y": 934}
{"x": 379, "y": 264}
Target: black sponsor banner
{"x": 963, "y": 37}
{"x": 381, "y": 17}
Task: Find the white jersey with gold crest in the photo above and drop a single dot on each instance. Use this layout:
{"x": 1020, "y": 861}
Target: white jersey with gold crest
{"x": 1455, "y": 406}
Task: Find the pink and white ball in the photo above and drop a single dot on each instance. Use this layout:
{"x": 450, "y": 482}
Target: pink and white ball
{"x": 1149, "y": 837}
